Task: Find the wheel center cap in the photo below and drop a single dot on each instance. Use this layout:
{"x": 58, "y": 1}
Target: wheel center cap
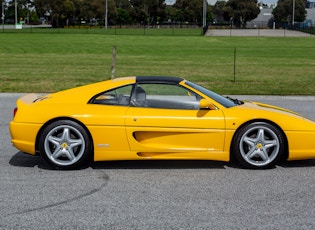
{"x": 64, "y": 145}
{"x": 259, "y": 145}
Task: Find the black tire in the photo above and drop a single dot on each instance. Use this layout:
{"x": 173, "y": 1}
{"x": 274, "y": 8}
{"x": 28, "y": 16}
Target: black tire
{"x": 65, "y": 144}
{"x": 258, "y": 145}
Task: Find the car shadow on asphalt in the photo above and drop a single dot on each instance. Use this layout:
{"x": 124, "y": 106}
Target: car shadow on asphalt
{"x": 298, "y": 164}
{"x": 159, "y": 164}
{"x": 21, "y": 159}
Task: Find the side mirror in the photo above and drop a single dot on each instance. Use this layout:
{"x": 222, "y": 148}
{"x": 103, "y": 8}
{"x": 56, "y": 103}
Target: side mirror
{"x": 205, "y": 104}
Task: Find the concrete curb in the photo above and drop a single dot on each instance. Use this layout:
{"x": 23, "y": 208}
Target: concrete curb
{"x": 256, "y": 33}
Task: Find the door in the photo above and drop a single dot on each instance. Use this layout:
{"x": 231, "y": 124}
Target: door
{"x": 167, "y": 119}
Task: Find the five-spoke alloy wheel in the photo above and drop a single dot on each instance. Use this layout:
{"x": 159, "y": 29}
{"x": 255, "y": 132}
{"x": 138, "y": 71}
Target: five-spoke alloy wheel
{"x": 258, "y": 145}
{"x": 65, "y": 144}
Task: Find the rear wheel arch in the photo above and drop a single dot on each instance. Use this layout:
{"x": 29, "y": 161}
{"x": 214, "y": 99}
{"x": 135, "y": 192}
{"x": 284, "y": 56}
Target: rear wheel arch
{"x": 60, "y": 119}
{"x": 284, "y": 155}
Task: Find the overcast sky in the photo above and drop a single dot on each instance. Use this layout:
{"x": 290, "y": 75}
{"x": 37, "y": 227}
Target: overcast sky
{"x": 212, "y": 2}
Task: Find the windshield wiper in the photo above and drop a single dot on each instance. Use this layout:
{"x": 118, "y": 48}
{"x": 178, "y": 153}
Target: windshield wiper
{"x": 235, "y": 100}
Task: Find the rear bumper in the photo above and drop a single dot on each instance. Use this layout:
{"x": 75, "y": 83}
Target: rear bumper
{"x": 23, "y": 136}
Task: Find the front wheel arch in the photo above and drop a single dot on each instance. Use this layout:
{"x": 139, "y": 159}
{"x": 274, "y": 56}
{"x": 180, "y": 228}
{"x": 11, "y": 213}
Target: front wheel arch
{"x": 285, "y": 152}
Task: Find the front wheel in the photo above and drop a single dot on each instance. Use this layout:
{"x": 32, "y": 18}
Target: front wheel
{"x": 65, "y": 145}
{"x": 258, "y": 145}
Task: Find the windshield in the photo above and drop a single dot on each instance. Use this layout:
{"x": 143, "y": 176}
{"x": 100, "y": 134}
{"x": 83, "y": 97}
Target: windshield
{"x": 218, "y": 98}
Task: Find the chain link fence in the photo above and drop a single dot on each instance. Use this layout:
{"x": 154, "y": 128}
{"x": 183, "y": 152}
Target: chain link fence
{"x": 184, "y": 29}
{"x": 257, "y": 28}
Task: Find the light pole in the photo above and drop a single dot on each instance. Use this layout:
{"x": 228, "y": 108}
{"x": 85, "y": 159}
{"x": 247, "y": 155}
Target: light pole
{"x": 2, "y": 16}
{"x": 15, "y": 13}
{"x": 204, "y": 21}
{"x": 293, "y": 11}
{"x": 106, "y": 13}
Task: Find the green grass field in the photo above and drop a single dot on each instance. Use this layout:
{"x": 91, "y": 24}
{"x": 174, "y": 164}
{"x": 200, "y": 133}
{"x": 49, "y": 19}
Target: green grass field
{"x": 48, "y": 62}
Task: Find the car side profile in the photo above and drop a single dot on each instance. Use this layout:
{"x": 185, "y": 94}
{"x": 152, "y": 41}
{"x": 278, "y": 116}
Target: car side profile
{"x": 156, "y": 118}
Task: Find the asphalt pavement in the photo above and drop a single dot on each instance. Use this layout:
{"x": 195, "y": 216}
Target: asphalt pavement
{"x": 155, "y": 194}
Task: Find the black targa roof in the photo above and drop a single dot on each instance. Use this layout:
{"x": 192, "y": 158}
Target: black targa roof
{"x": 158, "y": 79}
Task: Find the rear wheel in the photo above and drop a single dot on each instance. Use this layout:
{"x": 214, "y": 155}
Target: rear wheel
{"x": 65, "y": 145}
{"x": 258, "y": 145}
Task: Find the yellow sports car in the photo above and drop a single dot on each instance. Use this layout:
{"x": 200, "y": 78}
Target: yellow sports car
{"x": 150, "y": 117}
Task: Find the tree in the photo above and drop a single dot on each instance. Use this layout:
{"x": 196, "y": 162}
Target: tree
{"x": 123, "y": 11}
{"x": 241, "y": 11}
{"x": 170, "y": 14}
{"x": 59, "y": 10}
{"x": 148, "y": 11}
{"x": 189, "y": 10}
{"x": 218, "y": 11}
{"x": 42, "y": 7}
{"x": 24, "y": 11}
{"x": 64, "y": 12}
{"x": 123, "y": 16}
{"x": 98, "y": 7}
{"x": 284, "y": 11}
{"x": 70, "y": 12}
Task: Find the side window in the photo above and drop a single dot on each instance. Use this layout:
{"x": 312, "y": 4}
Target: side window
{"x": 118, "y": 96}
{"x": 165, "y": 96}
